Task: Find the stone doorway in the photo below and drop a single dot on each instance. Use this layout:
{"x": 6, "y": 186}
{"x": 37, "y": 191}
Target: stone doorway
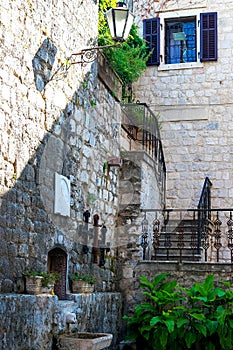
{"x": 57, "y": 262}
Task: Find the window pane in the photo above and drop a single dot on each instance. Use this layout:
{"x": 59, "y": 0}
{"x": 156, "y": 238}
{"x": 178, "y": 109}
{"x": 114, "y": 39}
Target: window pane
{"x": 180, "y": 40}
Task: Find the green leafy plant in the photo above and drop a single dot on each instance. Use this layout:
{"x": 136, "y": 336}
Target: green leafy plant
{"x": 128, "y": 60}
{"x": 29, "y": 273}
{"x": 83, "y": 277}
{"x": 93, "y": 103}
{"x": 48, "y": 278}
{"x": 176, "y": 318}
{"x": 91, "y": 198}
{"x": 85, "y": 84}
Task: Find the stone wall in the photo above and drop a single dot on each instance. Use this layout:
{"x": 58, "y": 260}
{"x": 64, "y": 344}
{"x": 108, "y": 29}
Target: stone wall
{"x": 138, "y": 189}
{"x": 55, "y": 118}
{"x": 195, "y": 107}
{"x": 30, "y": 322}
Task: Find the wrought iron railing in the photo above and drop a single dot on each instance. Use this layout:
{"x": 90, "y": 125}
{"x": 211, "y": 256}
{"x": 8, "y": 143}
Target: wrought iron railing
{"x": 191, "y": 234}
{"x": 176, "y": 235}
{"x": 142, "y": 127}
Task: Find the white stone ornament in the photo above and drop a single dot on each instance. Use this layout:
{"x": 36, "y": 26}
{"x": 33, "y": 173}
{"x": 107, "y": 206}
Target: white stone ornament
{"x": 62, "y": 195}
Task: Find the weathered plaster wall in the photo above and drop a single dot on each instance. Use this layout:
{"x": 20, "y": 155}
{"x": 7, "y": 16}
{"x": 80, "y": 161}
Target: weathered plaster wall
{"x": 30, "y": 322}
{"x": 195, "y": 107}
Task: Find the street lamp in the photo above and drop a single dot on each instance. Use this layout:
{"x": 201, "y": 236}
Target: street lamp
{"x": 120, "y": 20}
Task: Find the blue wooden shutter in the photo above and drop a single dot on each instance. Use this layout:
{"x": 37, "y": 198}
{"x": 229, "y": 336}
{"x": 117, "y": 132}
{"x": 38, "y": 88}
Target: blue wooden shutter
{"x": 151, "y": 33}
{"x": 208, "y": 37}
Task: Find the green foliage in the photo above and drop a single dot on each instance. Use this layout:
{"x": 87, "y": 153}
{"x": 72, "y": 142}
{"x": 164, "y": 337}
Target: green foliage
{"x": 32, "y": 273}
{"x": 80, "y": 276}
{"x": 176, "y": 318}
{"x": 92, "y": 103}
{"x": 104, "y": 36}
{"x": 91, "y": 198}
{"x": 128, "y": 60}
{"x": 48, "y": 277}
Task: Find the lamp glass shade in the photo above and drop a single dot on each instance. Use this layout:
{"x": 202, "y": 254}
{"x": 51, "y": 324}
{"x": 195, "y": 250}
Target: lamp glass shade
{"x": 120, "y": 21}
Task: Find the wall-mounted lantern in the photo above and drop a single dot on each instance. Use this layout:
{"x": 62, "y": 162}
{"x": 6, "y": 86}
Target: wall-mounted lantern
{"x": 120, "y": 20}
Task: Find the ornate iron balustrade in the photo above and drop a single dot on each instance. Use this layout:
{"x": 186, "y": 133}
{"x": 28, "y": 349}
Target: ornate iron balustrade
{"x": 142, "y": 127}
{"x": 177, "y": 235}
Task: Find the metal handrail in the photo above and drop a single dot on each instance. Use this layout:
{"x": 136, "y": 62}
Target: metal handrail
{"x": 141, "y": 126}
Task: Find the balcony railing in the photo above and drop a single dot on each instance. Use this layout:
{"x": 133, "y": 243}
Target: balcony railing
{"x": 142, "y": 128}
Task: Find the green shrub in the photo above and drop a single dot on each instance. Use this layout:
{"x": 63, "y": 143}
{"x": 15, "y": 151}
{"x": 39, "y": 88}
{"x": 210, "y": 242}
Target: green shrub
{"x": 128, "y": 60}
{"x": 176, "y": 318}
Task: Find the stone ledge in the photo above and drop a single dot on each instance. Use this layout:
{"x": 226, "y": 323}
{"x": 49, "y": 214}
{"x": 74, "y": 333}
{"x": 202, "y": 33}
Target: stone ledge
{"x": 186, "y": 266}
{"x": 109, "y": 78}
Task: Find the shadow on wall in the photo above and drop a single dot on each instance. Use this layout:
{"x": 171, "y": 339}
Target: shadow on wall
{"x": 29, "y": 228}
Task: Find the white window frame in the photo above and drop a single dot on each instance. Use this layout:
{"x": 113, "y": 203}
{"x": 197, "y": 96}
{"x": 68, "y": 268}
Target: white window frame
{"x": 178, "y": 14}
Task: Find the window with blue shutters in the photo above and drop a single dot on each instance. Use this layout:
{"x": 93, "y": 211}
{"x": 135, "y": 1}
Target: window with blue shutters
{"x": 151, "y": 30}
{"x": 179, "y": 40}
{"x": 208, "y": 37}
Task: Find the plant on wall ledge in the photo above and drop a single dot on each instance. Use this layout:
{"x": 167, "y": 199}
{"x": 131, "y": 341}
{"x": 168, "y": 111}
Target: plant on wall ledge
{"x": 128, "y": 60}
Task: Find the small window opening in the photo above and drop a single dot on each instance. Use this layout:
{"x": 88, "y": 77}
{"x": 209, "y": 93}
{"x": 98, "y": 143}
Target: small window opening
{"x": 180, "y": 40}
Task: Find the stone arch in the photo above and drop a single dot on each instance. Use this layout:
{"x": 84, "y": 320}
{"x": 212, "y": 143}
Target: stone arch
{"x": 57, "y": 262}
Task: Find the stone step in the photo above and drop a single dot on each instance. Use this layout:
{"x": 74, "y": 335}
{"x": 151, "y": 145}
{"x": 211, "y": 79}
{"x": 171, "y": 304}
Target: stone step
{"x": 176, "y": 258}
{"x": 189, "y": 230}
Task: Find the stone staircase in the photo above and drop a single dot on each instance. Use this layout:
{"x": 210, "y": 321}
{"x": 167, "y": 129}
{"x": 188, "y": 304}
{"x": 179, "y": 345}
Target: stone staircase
{"x": 178, "y": 241}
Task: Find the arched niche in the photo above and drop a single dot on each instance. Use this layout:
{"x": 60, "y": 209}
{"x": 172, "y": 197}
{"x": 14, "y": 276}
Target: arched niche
{"x": 57, "y": 262}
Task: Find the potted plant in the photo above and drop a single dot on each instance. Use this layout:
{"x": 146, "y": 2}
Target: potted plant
{"x": 49, "y": 280}
{"x": 82, "y": 283}
{"x": 33, "y": 281}
{"x": 40, "y": 282}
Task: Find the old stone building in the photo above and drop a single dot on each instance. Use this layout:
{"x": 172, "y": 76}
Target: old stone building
{"x": 84, "y": 178}
{"x": 193, "y": 96}
{"x": 60, "y": 173}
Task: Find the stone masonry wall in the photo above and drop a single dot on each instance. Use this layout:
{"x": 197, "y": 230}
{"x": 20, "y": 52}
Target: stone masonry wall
{"x": 138, "y": 189}
{"x": 31, "y": 322}
{"x": 54, "y": 118}
{"x": 195, "y": 107}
